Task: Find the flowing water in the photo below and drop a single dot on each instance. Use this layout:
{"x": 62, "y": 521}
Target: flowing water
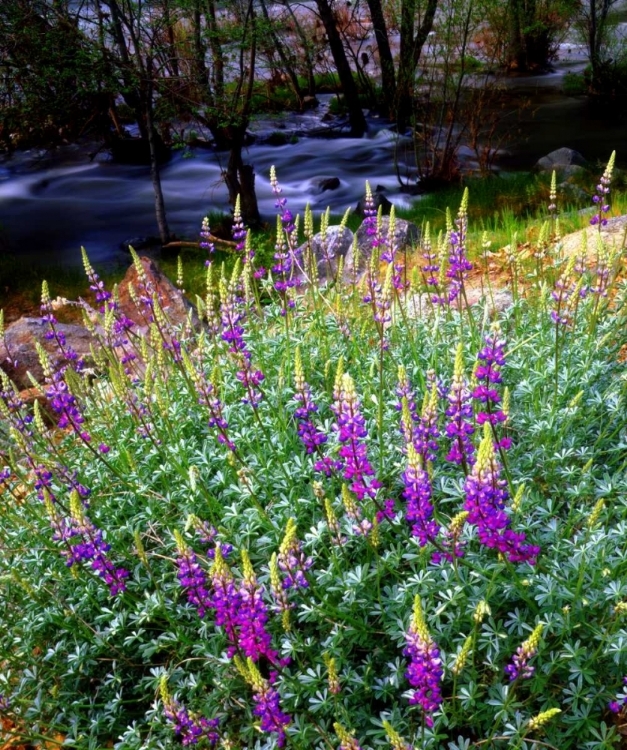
{"x": 51, "y": 204}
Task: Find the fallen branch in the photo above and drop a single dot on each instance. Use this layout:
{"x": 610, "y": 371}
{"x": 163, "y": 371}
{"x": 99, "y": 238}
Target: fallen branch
{"x": 210, "y": 238}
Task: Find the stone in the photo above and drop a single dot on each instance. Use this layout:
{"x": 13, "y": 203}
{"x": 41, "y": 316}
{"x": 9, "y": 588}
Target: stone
{"x": 406, "y": 235}
{"x": 328, "y": 183}
{"x": 338, "y": 245}
{"x": 379, "y": 200}
{"x": 171, "y": 299}
{"x": 566, "y": 161}
{"x": 19, "y": 356}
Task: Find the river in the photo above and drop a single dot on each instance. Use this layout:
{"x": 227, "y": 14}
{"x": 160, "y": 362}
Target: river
{"x": 52, "y": 203}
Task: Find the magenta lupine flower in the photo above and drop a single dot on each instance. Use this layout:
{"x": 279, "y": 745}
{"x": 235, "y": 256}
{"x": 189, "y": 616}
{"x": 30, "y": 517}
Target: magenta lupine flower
{"x": 292, "y": 561}
{"x": 253, "y": 638}
{"x": 188, "y": 727}
{"x": 616, "y": 706}
{"x": 351, "y": 428}
{"x": 424, "y": 671}
{"x": 192, "y": 577}
{"x": 486, "y": 495}
{"x": 488, "y": 374}
{"x": 226, "y": 599}
{"x": 519, "y": 667}
{"x": 417, "y": 493}
{"x": 311, "y": 437}
{"x": 460, "y": 427}
{"x": 600, "y": 199}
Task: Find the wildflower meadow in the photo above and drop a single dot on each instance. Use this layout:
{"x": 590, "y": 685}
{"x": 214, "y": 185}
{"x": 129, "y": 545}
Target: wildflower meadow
{"x": 362, "y": 513}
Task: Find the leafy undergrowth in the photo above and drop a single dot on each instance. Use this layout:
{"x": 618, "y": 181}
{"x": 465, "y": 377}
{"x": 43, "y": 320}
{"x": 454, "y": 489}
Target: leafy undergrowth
{"x": 364, "y": 515}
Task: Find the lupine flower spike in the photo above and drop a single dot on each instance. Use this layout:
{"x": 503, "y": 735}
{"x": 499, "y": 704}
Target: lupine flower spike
{"x": 266, "y": 699}
{"x": 486, "y": 495}
{"x": 519, "y": 668}
{"x": 188, "y": 727}
{"x": 600, "y": 198}
{"x": 394, "y": 738}
{"x": 424, "y": 671}
{"x": 346, "y": 738}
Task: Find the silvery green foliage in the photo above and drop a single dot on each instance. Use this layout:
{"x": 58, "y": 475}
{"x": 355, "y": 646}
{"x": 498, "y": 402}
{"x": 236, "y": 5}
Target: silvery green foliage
{"x": 190, "y": 454}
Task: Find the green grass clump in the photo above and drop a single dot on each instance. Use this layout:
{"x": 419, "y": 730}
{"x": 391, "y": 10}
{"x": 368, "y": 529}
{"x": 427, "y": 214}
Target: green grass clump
{"x": 358, "y": 514}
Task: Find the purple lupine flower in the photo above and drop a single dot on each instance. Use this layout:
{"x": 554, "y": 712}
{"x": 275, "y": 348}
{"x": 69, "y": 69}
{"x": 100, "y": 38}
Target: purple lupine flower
{"x": 370, "y": 222}
{"x": 239, "y": 230}
{"x": 95, "y": 283}
{"x": 406, "y": 404}
{"x": 379, "y": 296}
{"x": 285, "y": 247}
{"x": 208, "y": 397}
{"x": 459, "y": 427}
{"x": 488, "y": 374}
{"x": 232, "y": 314}
{"x": 459, "y": 265}
{"x": 351, "y": 428}
{"x": 267, "y": 701}
{"x": 292, "y": 560}
{"x": 424, "y": 671}
{"x": 192, "y": 577}
{"x": 431, "y": 268}
{"x": 92, "y": 547}
{"x": 311, "y": 437}
{"x": 452, "y": 547}
{"x": 426, "y": 431}
{"x": 600, "y": 198}
{"x": 5, "y": 702}
{"x": 54, "y": 334}
{"x": 226, "y": 599}
{"x": 205, "y": 239}
{"x": 486, "y": 495}
{"x": 207, "y": 534}
{"x": 188, "y": 727}
{"x": 417, "y": 493}
{"x": 519, "y": 667}
{"x": 253, "y": 638}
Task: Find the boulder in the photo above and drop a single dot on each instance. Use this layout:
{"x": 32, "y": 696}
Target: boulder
{"x": 406, "y": 237}
{"x": 171, "y": 299}
{"x": 17, "y": 351}
{"x": 566, "y": 161}
{"x": 339, "y": 241}
{"x": 379, "y": 200}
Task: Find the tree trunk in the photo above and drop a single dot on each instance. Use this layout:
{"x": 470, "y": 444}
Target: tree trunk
{"x": 411, "y": 49}
{"x": 155, "y": 173}
{"x": 388, "y": 78}
{"x": 351, "y": 95}
{"x": 283, "y": 57}
{"x": 217, "y": 57}
{"x": 240, "y": 181}
{"x": 309, "y": 66}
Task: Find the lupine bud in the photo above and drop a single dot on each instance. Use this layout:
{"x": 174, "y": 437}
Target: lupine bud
{"x": 332, "y": 675}
{"x": 593, "y": 518}
{"x": 462, "y": 657}
{"x": 395, "y": 739}
{"x": 543, "y": 718}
